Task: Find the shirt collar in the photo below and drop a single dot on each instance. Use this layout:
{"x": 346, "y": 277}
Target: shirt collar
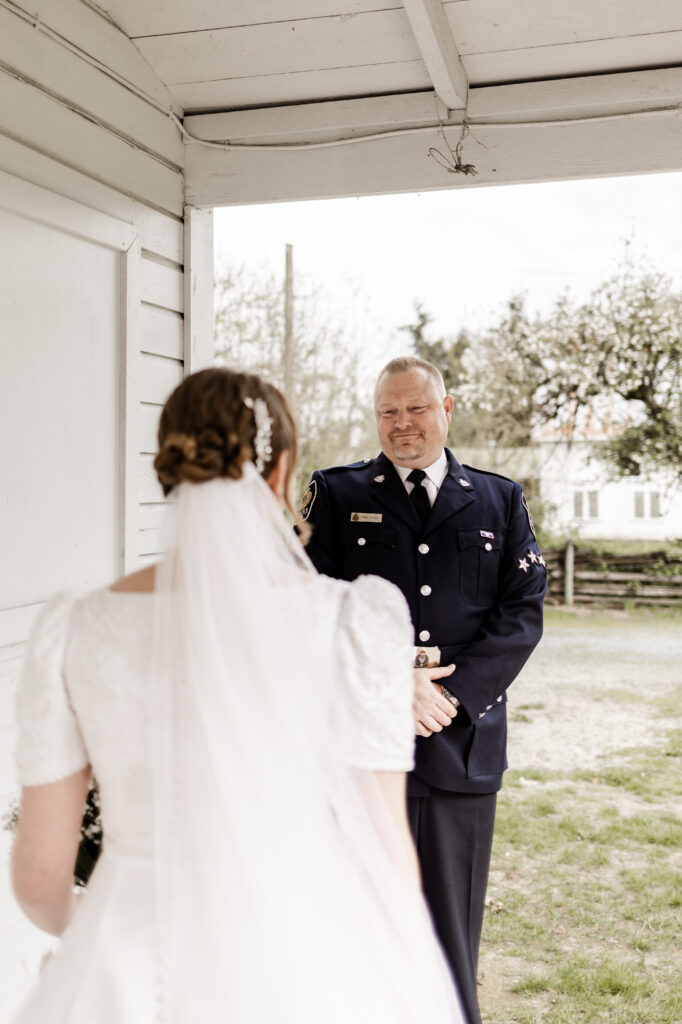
{"x": 436, "y": 472}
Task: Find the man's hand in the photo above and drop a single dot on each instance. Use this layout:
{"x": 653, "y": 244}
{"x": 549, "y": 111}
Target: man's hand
{"x": 432, "y": 711}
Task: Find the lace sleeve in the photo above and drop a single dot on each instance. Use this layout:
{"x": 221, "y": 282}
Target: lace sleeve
{"x": 49, "y": 744}
{"x": 375, "y": 657}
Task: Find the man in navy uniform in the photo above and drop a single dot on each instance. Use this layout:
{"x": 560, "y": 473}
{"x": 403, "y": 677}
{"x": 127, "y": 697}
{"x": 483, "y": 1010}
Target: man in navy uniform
{"x": 460, "y": 545}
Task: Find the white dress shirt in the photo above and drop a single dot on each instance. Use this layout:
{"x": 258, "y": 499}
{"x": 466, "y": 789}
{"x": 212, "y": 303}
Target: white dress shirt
{"x": 435, "y": 474}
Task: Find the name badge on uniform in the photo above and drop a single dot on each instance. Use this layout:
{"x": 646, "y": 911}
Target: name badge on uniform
{"x": 366, "y": 517}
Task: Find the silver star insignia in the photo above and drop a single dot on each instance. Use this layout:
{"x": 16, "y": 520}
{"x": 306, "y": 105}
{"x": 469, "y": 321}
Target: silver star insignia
{"x": 523, "y": 564}
{"x": 542, "y": 561}
{"x": 533, "y": 557}
{"x": 379, "y": 479}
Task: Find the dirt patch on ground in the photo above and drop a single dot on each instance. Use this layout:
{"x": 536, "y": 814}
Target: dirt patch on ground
{"x": 587, "y": 693}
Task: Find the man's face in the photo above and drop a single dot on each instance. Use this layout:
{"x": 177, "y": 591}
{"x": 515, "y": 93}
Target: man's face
{"x": 412, "y": 418}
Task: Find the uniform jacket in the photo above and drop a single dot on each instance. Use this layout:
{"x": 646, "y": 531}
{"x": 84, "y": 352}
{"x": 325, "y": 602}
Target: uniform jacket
{"x": 474, "y": 580}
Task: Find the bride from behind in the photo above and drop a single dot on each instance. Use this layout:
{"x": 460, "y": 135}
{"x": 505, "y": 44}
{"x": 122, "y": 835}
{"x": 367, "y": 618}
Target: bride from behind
{"x": 250, "y": 725}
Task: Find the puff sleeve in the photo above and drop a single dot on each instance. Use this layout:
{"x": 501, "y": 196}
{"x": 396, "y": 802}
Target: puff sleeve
{"x": 49, "y": 744}
{"x": 375, "y": 659}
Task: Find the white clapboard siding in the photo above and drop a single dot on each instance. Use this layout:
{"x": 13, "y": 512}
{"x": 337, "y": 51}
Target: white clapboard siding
{"x": 84, "y": 127}
{"x": 151, "y": 542}
{"x": 96, "y": 35}
{"x": 36, "y": 118}
{"x": 158, "y": 377}
{"x": 148, "y": 426}
{"x": 154, "y": 516}
{"x": 161, "y": 233}
{"x": 45, "y": 62}
{"x": 150, "y": 488}
{"x": 161, "y": 283}
{"x": 161, "y": 332}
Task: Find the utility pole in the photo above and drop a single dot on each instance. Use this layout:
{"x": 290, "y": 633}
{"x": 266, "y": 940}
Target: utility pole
{"x": 289, "y": 324}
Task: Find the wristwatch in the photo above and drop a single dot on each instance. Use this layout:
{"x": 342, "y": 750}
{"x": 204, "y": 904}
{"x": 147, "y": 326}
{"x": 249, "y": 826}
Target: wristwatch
{"x": 451, "y": 697}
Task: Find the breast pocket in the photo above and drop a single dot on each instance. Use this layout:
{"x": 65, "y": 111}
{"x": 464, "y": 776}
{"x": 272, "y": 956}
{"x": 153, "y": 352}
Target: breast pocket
{"x": 367, "y": 547}
{"x": 479, "y": 565}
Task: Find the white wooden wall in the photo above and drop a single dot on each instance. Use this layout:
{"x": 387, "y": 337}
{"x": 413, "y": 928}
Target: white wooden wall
{"x": 88, "y": 157}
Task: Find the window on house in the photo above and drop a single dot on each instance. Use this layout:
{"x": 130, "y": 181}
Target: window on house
{"x": 647, "y": 504}
{"x": 586, "y": 504}
{"x": 578, "y": 504}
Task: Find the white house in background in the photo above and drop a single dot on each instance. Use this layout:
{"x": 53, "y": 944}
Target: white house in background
{"x": 579, "y": 498}
{"x": 589, "y": 501}
{"x": 123, "y": 122}
{"x": 590, "y": 505}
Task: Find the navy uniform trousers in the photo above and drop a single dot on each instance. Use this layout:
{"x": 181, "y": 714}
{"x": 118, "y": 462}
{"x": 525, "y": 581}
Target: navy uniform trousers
{"x": 474, "y": 581}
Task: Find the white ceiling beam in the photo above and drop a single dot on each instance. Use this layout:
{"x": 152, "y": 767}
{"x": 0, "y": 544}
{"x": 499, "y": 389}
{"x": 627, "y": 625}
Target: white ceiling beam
{"x": 318, "y": 121}
{"x": 590, "y": 96}
{"x": 595, "y": 126}
{"x": 439, "y": 50}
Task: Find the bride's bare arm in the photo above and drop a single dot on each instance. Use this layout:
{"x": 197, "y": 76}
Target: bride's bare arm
{"x": 45, "y": 850}
{"x": 393, "y": 788}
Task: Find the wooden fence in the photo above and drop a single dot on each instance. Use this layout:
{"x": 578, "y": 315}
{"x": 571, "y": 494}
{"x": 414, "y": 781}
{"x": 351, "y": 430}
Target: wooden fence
{"x": 651, "y": 580}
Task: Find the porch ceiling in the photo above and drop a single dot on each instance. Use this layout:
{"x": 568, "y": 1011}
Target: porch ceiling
{"x": 337, "y": 69}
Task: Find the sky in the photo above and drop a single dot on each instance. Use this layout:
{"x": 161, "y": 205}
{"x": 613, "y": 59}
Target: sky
{"x": 461, "y": 253}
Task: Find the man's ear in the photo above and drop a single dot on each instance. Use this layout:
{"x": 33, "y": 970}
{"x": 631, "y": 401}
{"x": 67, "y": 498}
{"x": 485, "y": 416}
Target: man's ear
{"x": 276, "y": 478}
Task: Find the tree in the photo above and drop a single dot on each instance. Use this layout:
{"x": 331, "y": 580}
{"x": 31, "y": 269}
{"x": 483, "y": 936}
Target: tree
{"x": 615, "y": 359}
{"x": 331, "y": 401}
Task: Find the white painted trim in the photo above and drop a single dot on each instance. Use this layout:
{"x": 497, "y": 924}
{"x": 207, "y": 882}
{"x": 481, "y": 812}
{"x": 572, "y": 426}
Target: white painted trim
{"x": 316, "y": 120}
{"x": 16, "y": 623}
{"x": 44, "y": 207}
{"x": 199, "y": 323}
{"x": 590, "y": 95}
{"x": 438, "y": 48}
{"x": 539, "y": 131}
{"x": 532, "y": 101}
{"x": 161, "y": 232}
{"x": 24, "y": 199}
{"x": 131, "y": 265}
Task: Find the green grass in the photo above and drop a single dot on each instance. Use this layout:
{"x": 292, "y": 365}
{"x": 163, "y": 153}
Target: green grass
{"x": 587, "y": 866}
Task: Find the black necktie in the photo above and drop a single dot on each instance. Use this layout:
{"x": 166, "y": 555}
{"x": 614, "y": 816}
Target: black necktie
{"x": 418, "y": 495}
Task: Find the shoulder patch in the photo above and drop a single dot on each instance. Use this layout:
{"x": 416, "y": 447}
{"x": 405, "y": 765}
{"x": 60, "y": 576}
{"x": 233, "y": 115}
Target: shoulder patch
{"x": 530, "y": 518}
{"x": 308, "y": 500}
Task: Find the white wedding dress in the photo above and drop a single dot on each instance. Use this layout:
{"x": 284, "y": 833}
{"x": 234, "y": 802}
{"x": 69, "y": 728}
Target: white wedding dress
{"x": 234, "y": 720}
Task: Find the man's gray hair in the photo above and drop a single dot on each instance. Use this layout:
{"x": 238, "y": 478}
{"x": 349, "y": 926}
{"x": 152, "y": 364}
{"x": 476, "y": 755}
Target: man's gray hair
{"x": 403, "y": 364}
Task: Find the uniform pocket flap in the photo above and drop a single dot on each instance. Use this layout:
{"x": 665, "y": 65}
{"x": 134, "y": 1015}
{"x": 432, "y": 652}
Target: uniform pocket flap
{"x": 487, "y": 540}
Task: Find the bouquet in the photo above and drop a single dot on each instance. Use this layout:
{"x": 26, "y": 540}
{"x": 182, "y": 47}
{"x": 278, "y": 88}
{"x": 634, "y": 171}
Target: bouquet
{"x": 90, "y": 845}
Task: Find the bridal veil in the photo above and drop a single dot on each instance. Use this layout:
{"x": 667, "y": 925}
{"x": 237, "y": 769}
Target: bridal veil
{"x": 279, "y": 897}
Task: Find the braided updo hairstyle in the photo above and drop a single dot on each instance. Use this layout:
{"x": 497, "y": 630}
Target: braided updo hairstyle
{"x": 208, "y": 429}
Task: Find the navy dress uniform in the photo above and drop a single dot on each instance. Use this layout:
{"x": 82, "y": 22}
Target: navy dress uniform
{"x": 474, "y": 580}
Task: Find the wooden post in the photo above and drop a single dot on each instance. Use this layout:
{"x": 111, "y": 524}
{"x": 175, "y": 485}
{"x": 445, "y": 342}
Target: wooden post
{"x": 569, "y": 565}
{"x": 289, "y": 324}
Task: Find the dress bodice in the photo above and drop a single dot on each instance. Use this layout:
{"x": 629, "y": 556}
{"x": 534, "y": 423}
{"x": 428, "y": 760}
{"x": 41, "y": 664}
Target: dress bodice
{"x": 85, "y": 692}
